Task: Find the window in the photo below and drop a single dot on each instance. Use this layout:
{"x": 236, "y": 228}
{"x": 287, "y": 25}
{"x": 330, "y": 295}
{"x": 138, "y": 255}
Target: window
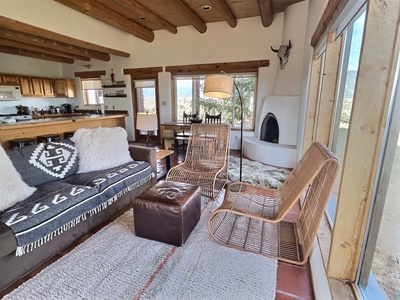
{"x": 92, "y": 91}
{"x": 189, "y": 98}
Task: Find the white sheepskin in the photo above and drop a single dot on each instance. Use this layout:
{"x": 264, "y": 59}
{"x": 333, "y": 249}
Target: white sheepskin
{"x": 101, "y": 148}
{"x": 12, "y": 188}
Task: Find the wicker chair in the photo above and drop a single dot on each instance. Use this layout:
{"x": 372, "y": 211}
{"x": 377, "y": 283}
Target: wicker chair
{"x": 252, "y": 218}
{"x": 206, "y": 161}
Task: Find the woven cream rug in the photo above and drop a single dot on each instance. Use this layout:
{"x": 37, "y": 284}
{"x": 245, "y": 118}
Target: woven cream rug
{"x": 115, "y": 264}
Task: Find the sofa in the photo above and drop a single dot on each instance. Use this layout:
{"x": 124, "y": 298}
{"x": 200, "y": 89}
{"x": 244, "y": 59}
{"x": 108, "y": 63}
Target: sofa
{"x": 52, "y": 194}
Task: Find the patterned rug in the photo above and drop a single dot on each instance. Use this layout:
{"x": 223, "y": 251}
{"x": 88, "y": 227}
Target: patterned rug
{"x": 115, "y": 264}
{"x": 256, "y": 173}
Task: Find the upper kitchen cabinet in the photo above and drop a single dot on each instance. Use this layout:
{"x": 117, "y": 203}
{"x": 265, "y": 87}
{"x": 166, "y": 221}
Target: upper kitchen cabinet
{"x": 64, "y": 88}
{"x": 9, "y": 79}
{"x": 37, "y": 84}
{"x": 26, "y": 86}
{"x": 48, "y": 87}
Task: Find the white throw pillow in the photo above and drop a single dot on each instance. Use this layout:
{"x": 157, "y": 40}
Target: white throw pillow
{"x": 12, "y": 188}
{"x": 101, "y": 148}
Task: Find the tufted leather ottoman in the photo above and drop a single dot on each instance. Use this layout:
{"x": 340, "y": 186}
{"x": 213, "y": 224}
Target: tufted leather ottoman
{"x": 167, "y": 212}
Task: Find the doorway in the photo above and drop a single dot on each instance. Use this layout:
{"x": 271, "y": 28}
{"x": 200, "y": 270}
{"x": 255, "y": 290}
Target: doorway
{"x": 146, "y": 101}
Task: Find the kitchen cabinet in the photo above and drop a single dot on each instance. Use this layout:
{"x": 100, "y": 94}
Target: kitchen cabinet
{"x": 37, "y": 84}
{"x": 64, "y": 88}
{"x": 48, "y": 87}
{"x": 26, "y": 86}
{"x": 10, "y": 79}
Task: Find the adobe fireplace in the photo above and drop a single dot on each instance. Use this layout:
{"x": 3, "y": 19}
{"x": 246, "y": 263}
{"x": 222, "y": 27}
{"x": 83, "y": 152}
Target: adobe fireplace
{"x": 269, "y": 131}
{"x": 275, "y": 143}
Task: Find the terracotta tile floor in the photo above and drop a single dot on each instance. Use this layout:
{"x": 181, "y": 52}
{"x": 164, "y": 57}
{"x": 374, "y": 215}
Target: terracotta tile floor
{"x": 293, "y": 282}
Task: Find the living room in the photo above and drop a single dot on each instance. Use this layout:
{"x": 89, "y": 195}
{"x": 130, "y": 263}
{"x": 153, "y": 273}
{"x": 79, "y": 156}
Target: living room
{"x": 248, "y": 41}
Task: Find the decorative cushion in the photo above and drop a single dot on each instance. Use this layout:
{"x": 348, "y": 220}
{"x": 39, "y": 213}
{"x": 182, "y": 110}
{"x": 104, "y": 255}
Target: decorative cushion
{"x": 12, "y": 188}
{"x": 101, "y": 148}
{"x": 45, "y": 162}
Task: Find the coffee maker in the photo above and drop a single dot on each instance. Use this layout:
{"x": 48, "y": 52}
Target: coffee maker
{"x": 67, "y": 108}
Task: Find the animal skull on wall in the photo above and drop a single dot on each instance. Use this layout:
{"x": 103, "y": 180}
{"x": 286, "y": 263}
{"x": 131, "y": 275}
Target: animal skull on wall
{"x": 283, "y": 54}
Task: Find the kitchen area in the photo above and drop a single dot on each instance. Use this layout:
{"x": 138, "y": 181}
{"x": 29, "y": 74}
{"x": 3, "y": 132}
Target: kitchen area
{"x": 27, "y": 112}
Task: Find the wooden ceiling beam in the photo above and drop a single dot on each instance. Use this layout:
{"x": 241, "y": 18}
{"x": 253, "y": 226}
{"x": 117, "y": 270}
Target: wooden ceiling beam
{"x": 71, "y": 51}
{"x": 37, "y": 55}
{"x": 226, "y": 12}
{"x": 186, "y": 12}
{"x": 29, "y": 29}
{"x": 265, "y": 12}
{"x": 33, "y": 48}
{"x": 104, "y": 14}
{"x": 149, "y": 15}
{"x": 331, "y": 12}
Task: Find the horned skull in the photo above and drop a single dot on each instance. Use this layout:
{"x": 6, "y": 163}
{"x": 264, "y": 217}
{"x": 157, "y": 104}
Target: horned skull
{"x": 283, "y": 54}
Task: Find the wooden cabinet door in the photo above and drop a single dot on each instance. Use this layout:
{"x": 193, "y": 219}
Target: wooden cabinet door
{"x": 26, "y": 86}
{"x": 48, "y": 87}
{"x": 37, "y": 85}
{"x": 10, "y": 79}
{"x": 60, "y": 87}
{"x": 71, "y": 88}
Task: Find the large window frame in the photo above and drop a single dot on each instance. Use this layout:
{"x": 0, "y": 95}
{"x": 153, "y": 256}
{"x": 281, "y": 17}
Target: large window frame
{"x": 189, "y": 99}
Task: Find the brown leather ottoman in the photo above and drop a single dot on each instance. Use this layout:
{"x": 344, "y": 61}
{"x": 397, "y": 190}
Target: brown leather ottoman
{"x": 167, "y": 212}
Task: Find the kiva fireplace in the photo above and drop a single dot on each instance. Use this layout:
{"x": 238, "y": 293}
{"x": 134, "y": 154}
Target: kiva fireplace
{"x": 275, "y": 141}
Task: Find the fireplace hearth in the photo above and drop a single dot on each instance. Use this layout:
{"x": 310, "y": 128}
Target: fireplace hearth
{"x": 270, "y": 129}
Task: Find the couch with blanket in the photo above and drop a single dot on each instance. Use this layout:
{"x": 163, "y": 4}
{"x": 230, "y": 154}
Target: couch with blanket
{"x": 52, "y": 194}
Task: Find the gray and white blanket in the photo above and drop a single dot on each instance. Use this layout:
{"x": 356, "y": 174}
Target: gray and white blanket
{"x": 59, "y": 205}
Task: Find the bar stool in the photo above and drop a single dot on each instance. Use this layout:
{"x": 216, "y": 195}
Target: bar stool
{"x": 47, "y": 138}
{"x": 68, "y": 134}
{"x": 19, "y": 143}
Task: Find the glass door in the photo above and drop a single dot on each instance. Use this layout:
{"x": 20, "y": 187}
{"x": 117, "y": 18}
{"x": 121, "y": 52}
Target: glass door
{"x": 379, "y": 271}
{"x": 347, "y": 80}
{"x": 146, "y": 101}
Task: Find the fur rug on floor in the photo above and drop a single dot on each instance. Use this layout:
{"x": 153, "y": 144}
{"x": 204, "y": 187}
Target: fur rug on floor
{"x": 256, "y": 173}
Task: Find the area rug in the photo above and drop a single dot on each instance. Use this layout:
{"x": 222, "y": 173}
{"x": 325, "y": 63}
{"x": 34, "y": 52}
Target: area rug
{"x": 115, "y": 264}
{"x": 256, "y": 173}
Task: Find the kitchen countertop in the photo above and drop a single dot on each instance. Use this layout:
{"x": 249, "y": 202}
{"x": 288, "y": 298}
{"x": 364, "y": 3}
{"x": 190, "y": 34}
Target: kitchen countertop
{"x": 59, "y": 118}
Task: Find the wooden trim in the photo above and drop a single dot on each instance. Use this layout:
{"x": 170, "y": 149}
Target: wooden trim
{"x": 313, "y": 96}
{"x": 372, "y": 95}
{"x": 326, "y": 113}
{"x": 331, "y": 12}
{"x": 90, "y": 74}
{"x": 228, "y": 67}
{"x": 143, "y": 73}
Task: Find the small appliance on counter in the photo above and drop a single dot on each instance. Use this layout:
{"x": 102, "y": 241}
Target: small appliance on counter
{"x": 23, "y": 110}
{"x": 67, "y": 108}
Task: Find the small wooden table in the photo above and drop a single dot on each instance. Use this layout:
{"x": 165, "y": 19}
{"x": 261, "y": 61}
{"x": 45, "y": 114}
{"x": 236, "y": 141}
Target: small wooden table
{"x": 163, "y": 153}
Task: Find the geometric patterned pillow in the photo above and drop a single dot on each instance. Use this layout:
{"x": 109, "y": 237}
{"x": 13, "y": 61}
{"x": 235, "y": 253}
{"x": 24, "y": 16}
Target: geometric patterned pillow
{"x": 45, "y": 162}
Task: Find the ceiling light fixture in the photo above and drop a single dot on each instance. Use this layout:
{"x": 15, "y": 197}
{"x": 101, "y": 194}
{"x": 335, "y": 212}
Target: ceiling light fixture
{"x": 143, "y": 18}
{"x": 206, "y": 7}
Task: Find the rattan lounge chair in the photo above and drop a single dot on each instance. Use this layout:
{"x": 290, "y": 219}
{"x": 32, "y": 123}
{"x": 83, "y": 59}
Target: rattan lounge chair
{"x": 252, "y": 218}
{"x": 206, "y": 161}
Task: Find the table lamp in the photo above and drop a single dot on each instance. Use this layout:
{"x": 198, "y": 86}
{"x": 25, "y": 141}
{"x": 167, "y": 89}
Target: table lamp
{"x": 146, "y": 122}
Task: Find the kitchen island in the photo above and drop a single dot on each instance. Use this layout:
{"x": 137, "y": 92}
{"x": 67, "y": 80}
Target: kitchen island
{"x": 56, "y": 125}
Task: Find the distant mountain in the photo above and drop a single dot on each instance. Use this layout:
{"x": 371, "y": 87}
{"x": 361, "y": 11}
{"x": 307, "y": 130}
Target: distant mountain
{"x": 350, "y": 84}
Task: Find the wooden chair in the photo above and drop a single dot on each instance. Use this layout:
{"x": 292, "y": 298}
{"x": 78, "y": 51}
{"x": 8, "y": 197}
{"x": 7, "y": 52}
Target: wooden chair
{"x": 183, "y": 136}
{"x": 206, "y": 161}
{"x": 213, "y": 118}
{"x": 252, "y": 218}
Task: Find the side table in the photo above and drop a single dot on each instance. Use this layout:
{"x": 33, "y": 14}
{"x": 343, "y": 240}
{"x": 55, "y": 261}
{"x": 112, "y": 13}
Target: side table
{"x": 160, "y": 154}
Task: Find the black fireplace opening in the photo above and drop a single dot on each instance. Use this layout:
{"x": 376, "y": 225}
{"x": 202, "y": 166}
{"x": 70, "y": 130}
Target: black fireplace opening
{"x": 270, "y": 129}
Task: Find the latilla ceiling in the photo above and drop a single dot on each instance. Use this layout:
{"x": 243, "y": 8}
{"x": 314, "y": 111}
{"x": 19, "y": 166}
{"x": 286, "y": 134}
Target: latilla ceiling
{"x": 137, "y": 17}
